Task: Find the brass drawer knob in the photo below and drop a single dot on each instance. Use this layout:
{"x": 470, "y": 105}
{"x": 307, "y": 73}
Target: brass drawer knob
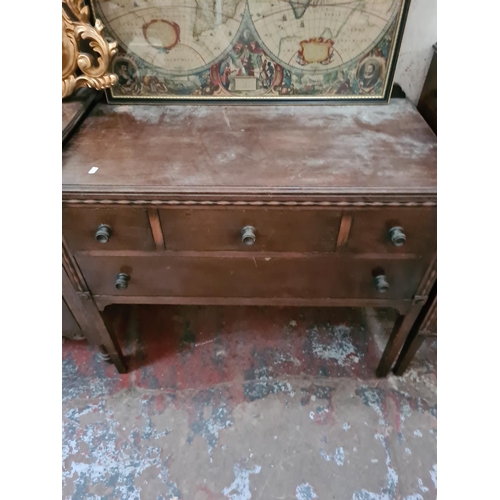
{"x": 122, "y": 280}
{"x": 103, "y": 233}
{"x": 248, "y": 235}
{"x": 397, "y": 235}
{"x": 381, "y": 283}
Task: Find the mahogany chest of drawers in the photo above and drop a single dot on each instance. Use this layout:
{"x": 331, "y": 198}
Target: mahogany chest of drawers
{"x": 250, "y": 205}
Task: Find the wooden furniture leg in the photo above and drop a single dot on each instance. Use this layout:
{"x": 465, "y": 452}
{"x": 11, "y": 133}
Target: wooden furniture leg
{"x": 425, "y": 326}
{"x": 111, "y": 345}
{"x": 410, "y": 348}
{"x": 70, "y": 328}
{"x": 96, "y": 328}
{"x": 399, "y": 333}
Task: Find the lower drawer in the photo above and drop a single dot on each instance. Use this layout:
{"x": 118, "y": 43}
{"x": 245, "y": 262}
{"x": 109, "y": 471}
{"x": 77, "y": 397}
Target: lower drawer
{"x": 280, "y": 277}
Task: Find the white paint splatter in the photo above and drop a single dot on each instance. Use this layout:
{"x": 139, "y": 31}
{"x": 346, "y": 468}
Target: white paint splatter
{"x": 416, "y": 496}
{"x": 320, "y": 414}
{"x": 408, "y": 451}
{"x": 339, "y": 456}
{"x": 281, "y": 357}
{"x": 421, "y": 486}
{"x": 404, "y": 409}
{"x": 106, "y": 459}
{"x": 263, "y": 373}
{"x": 391, "y": 477}
{"x": 373, "y": 397}
{"x": 305, "y": 491}
{"x": 340, "y": 347}
{"x": 240, "y": 487}
{"x": 433, "y": 472}
{"x": 346, "y": 426}
{"x": 213, "y": 425}
{"x": 417, "y": 433}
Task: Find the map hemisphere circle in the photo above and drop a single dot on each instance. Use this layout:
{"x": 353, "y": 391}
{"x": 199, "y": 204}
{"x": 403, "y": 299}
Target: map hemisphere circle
{"x": 143, "y": 16}
{"x": 285, "y": 14}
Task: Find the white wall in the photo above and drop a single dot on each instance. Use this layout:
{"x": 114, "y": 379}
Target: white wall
{"x": 416, "y": 50}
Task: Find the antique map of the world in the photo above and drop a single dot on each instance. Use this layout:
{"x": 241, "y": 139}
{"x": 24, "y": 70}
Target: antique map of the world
{"x": 264, "y": 49}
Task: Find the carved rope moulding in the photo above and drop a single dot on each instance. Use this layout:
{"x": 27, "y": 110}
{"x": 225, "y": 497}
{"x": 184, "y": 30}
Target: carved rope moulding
{"x": 256, "y": 203}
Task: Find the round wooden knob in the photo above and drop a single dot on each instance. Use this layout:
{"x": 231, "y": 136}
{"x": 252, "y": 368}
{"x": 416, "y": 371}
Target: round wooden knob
{"x": 381, "y": 283}
{"x": 397, "y": 236}
{"x": 103, "y": 233}
{"x": 248, "y": 235}
{"x": 122, "y": 280}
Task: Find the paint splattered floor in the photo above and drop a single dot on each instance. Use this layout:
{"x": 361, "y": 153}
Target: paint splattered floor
{"x": 248, "y": 403}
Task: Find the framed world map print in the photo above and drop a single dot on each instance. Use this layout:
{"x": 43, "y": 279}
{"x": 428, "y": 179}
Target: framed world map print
{"x": 328, "y": 51}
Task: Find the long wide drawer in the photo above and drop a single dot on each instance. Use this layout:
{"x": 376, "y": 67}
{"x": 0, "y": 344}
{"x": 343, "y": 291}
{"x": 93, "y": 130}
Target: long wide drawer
{"x": 317, "y": 276}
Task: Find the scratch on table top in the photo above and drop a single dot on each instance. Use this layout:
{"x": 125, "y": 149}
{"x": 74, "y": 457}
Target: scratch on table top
{"x": 226, "y": 118}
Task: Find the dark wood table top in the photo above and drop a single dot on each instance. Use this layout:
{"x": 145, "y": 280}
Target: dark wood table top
{"x": 373, "y": 150}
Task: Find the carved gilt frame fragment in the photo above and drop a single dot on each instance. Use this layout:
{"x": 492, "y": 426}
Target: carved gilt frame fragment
{"x": 86, "y": 55}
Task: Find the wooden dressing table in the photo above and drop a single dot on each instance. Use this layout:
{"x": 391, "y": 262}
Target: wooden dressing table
{"x": 249, "y": 205}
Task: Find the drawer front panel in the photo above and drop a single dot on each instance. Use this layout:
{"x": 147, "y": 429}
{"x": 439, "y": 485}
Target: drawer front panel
{"x": 371, "y": 230}
{"x": 320, "y": 276}
{"x": 276, "y": 229}
{"x": 129, "y": 228}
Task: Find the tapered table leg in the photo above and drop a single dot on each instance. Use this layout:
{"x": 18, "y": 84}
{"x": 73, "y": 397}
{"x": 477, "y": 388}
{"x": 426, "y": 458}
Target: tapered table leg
{"x": 399, "y": 333}
{"x": 96, "y": 328}
{"x": 410, "y": 348}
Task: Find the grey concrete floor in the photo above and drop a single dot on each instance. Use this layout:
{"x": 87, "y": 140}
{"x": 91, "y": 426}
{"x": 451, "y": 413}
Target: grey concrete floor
{"x": 248, "y": 403}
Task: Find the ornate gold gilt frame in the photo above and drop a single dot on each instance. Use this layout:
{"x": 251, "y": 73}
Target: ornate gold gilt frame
{"x": 79, "y": 67}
